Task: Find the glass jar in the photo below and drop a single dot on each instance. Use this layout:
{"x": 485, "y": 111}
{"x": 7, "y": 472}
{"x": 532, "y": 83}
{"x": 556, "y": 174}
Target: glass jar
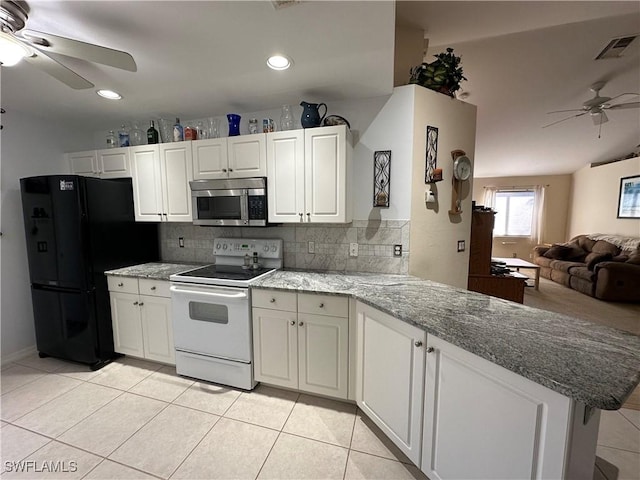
{"x": 286, "y": 118}
{"x": 111, "y": 139}
{"x": 136, "y": 136}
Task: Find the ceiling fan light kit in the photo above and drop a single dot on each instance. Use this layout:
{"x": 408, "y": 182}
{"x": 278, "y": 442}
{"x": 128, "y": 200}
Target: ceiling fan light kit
{"x": 11, "y": 50}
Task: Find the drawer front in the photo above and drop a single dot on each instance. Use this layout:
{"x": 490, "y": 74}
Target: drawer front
{"x": 122, "y": 284}
{"x": 323, "y": 305}
{"x": 156, "y": 288}
{"x": 274, "y": 300}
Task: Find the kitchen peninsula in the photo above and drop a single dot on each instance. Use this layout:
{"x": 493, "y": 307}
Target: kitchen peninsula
{"x": 448, "y": 374}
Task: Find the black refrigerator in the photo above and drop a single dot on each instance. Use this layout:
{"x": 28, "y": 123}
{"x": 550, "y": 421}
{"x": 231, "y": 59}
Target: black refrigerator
{"x": 76, "y": 228}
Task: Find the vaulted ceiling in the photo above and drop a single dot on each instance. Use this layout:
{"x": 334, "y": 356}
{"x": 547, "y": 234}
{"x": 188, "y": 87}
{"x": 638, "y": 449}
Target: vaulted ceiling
{"x": 200, "y": 58}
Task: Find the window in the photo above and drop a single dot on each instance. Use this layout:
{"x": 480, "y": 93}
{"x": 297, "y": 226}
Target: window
{"x": 514, "y": 213}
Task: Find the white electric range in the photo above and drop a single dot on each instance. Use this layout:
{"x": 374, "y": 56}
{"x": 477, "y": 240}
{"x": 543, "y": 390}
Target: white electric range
{"x": 212, "y": 311}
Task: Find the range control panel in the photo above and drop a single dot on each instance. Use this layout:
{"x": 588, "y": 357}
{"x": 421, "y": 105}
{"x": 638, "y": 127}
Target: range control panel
{"x": 239, "y": 247}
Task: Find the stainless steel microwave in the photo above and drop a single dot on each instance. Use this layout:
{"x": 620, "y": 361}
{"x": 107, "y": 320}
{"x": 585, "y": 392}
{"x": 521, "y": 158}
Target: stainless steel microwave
{"x": 238, "y": 202}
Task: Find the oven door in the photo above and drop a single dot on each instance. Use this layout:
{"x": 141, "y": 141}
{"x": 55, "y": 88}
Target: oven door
{"x": 220, "y": 207}
{"x": 213, "y": 321}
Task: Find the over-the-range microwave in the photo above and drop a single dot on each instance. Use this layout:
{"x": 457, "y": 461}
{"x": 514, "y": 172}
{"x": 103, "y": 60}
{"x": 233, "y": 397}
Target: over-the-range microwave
{"x": 240, "y": 202}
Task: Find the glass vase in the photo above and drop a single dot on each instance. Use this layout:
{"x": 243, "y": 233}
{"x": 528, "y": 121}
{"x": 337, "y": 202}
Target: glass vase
{"x": 286, "y": 118}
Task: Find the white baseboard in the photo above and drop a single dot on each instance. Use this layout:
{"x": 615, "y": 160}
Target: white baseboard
{"x": 15, "y": 356}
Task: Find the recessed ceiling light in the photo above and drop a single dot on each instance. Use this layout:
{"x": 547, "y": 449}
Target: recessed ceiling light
{"x": 110, "y": 94}
{"x": 279, "y": 62}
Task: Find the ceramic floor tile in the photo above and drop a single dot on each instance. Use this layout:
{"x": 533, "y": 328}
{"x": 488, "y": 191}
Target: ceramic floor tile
{"x": 300, "y": 458}
{"x": 207, "y": 397}
{"x": 163, "y": 385}
{"x": 17, "y": 375}
{"x": 47, "y": 364}
{"x": 618, "y": 432}
{"x": 56, "y": 460}
{"x": 230, "y": 450}
{"x": 28, "y": 397}
{"x": 368, "y": 438}
{"x": 109, "y": 427}
{"x": 364, "y": 466}
{"x": 166, "y": 440}
{"x": 126, "y": 373}
{"x": 78, "y": 371}
{"x": 322, "y": 419}
{"x": 18, "y": 444}
{"x": 632, "y": 415}
{"x": 109, "y": 470}
{"x": 59, "y": 415}
{"x": 618, "y": 464}
{"x": 264, "y": 406}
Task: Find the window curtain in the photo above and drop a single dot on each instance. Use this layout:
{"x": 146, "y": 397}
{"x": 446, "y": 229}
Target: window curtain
{"x": 537, "y": 222}
{"x": 490, "y": 196}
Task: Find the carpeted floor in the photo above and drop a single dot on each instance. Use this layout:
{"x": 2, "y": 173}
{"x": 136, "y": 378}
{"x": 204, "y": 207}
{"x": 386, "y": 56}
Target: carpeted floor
{"x": 560, "y": 299}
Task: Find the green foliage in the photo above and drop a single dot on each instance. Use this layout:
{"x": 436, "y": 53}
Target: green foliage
{"x": 443, "y": 74}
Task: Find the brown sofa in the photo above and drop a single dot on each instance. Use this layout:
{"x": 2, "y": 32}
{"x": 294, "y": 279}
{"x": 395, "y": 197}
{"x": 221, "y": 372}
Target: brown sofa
{"x": 596, "y": 267}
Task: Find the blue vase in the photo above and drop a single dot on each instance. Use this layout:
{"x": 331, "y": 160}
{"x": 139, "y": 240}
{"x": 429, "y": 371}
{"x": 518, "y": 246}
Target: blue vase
{"x": 234, "y": 124}
{"x": 311, "y": 115}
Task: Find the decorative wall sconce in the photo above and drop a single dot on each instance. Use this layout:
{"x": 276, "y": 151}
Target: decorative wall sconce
{"x": 381, "y": 178}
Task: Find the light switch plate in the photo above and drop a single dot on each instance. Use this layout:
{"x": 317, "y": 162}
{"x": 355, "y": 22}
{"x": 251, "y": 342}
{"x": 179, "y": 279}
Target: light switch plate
{"x": 353, "y": 249}
{"x": 311, "y": 247}
{"x": 461, "y": 245}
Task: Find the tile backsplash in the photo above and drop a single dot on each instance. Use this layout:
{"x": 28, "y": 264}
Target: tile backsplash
{"x": 375, "y": 239}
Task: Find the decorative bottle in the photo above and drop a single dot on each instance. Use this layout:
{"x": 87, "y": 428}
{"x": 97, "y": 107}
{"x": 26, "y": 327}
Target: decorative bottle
{"x": 111, "y": 139}
{"x": 286, "y": 118}
{"x": 123, "y": 136}
{"x": 152, "y": 134}
{"x": 178, "y": 131}
{"x": 234, "y": 124}
{"x": 137, "y": 135}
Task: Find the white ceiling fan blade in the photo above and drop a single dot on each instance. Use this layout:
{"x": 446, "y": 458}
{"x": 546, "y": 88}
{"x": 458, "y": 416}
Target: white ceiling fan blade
{"x": 623, "y": 105}
{"x": 564, "y": 119}
{"x": 82, "y": 50}
{"x": 58, "y": 71}
{"x": 599, "y": 118}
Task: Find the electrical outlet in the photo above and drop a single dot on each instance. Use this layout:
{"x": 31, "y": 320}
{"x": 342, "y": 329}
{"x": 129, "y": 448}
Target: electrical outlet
{"x": 311, "y": 247}
{"x": 397, "y": 250}
{"x": 353, "y": 249}
{"x": 515, "y": 255}
{"x": 181, "y": 242}
{"x": 461, "y": 245}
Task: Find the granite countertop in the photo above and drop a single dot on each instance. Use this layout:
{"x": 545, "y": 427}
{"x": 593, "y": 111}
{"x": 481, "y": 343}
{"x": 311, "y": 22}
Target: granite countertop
{"x": 155, "y": 270}
{"x": 590, "y": 363}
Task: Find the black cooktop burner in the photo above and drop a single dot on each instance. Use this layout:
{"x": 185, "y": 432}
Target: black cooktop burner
{"x": 226, "y": 272}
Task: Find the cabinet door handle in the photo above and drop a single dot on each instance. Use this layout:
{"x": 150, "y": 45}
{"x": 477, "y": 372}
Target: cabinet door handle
{"x": 160, "y": 215}
{"x": 308, "y": 214}
{"x": 135, "y": 303}
{"x": 224, "y": 170}
{"x": 418, "y": 343}
{"x": 300, "y": 215}
{"x": 430, "y": 349}
{"x": 301, "y": 323}
{"x": 321, "y": 305}
{"x": 293, "y": 322}
{"x": 153, "y": 288}
{"x": 273, "y": 300}
{"x": 121, "y": 284}
{"x": 141, "y": 304}
{"x": 231, "y": 169}
{"x": 165, "y": 215}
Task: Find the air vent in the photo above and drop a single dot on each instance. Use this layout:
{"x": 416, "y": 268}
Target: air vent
{"x": 278, "y": 4}
{"x": 616, "y": 47}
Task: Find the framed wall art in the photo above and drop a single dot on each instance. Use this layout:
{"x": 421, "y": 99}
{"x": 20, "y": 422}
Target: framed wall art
{"x": 381, "y": 178}
{"x": 431, "y": 173}
{"x": 629, "y": 197}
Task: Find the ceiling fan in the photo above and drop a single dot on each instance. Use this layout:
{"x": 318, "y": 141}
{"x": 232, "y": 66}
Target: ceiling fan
{"x": 597, "y": 106}
{"x": 36, "y": 46}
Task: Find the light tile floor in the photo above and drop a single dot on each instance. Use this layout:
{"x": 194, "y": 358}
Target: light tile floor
{"x": 137, "y": 419}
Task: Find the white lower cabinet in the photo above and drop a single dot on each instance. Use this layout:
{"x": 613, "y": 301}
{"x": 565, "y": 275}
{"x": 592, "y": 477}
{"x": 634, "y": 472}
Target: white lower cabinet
{"x": 390, "y": 376}
{"x": 298, "y": 348}
{"x": 141, "y": 316}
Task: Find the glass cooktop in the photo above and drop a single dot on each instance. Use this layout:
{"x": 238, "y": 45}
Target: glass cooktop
{"x": 225, "y": 272}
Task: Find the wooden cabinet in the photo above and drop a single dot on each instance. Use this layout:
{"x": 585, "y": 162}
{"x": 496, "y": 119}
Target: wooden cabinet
{"x": 480, "y": 278}
{"x": 107, "y": 163}
{"x": 483, "y": 421}
{"x": 141, "y": 316}
{"x": 309, "y": 175}
{"x": 390, "y": 376}
{"x": 301, "y": 341}
{"x": 232, "y": 157}
{"x": 161, "y": 175}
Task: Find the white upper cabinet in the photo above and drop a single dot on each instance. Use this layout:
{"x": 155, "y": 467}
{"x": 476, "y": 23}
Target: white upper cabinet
{"x": 309, "y": 174}
{"x": 232, "y": 157}
{"x": 161, "y": 175}
{"x": 107, "y": 163}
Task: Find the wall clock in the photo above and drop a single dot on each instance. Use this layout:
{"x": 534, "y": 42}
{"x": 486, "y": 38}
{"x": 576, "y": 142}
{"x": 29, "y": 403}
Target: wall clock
{"x": 461, "y": 173}
{"x": 462, "y": 168}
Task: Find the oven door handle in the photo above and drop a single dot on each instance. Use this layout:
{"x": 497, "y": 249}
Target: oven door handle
{"x": 234, "y": 296}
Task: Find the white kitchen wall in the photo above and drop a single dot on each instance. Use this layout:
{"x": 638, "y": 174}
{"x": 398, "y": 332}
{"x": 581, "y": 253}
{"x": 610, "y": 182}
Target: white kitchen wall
{"x": 29, "y": 146}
